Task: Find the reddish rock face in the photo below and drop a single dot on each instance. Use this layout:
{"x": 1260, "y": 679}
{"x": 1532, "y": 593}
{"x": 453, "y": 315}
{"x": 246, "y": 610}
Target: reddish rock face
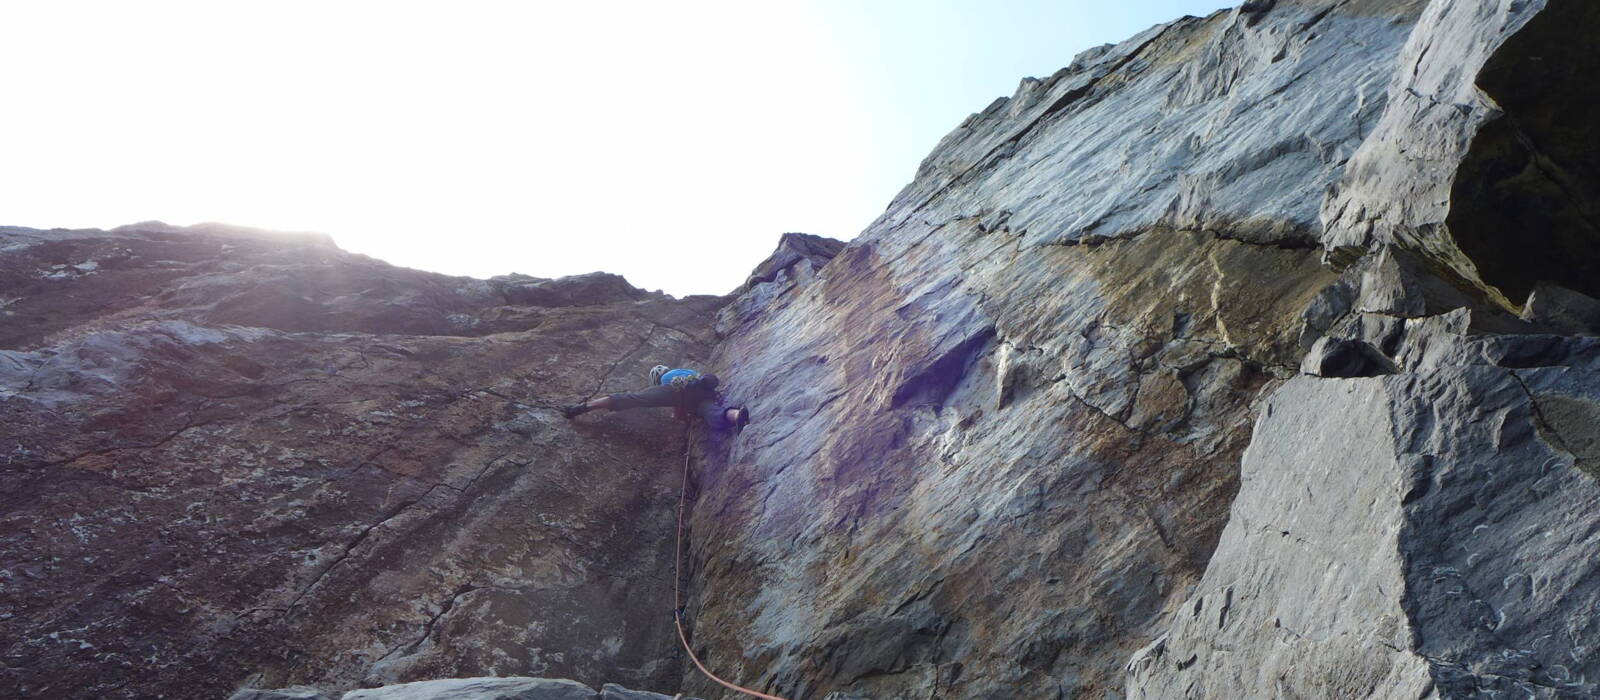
{"x": 231, "y": 457}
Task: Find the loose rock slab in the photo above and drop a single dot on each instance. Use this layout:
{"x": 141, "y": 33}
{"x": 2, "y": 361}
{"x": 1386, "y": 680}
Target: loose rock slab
{"x": 515, "y": 688}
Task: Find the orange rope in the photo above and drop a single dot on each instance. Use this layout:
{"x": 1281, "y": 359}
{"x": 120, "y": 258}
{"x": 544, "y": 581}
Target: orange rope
{"x": 677, "y": 596}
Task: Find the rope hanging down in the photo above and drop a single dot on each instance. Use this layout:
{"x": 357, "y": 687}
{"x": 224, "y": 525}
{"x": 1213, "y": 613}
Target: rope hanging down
{"x": 677, "y": 595}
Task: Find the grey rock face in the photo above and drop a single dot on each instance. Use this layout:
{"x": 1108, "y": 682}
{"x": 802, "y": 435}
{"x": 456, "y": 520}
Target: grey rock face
{"x": 1001, "y": 427}
{"x": 909, "y": 433}
{"x": 299, "y": 692}
{"x": 513, "y": 688}
{"x": 612, "y": 691}
{"x": 479, "y": 689}
{"x": 1339, "y": 357}
{"x": 1397, "y": 185}
{"x": 1426, "y": 533}
{"x": 1387, "y": 542}
{"x": 1298, "y": 583}
{"x": 1220, "y": 124}
{"x": 794, "y": 249}
{"x": 1000, "y": 431}
{"x": 1562, "y": 310}
{"x": 1480, "y": 161}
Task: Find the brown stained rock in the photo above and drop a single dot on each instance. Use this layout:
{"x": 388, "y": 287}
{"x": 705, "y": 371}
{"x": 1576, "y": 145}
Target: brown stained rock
{"x": 981, "y": 469}
{"x": 1160, "y": 402}
{"x": 191, "y": 498}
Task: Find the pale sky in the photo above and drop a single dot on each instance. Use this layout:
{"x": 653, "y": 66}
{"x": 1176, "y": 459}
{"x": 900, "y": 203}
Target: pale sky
{"x": 670, "y": 142}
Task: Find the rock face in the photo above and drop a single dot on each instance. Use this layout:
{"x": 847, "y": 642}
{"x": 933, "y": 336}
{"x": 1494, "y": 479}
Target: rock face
{"x": 480, "y": 689}
{"x": 1251, "y": 357}
{"x": 1483, "y": 137}
{"x": 490, "y": 688}
{"x": 1003, "y": 428}
{"x": 1401, "y": 536}
{"x": 235, "y": 458}
{"x": 299, "y": 692}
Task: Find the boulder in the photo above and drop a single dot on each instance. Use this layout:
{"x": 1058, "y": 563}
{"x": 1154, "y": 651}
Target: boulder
{"x": 1387, "y": 545}
{"x": 1341, "y": 357}
{"x": 514, "y": 688}
{"x": 298, "y": 692}
{"x": 612, "y": 691}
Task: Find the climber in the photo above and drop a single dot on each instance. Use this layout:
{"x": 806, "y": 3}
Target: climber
{"x": 686, "y": 391}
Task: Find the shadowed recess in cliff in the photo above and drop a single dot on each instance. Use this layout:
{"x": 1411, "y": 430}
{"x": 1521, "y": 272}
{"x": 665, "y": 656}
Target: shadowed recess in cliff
{"x": 1523, "y": 205}
{"x": 932, "y": 385}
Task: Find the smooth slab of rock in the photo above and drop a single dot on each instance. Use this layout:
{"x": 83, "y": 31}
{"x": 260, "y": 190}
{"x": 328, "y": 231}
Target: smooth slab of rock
{"x": 516, "y": 688}
{"x": 612, "y": 691}
{"x": 1395, "y": 536}
{"x": 298, "y": 692}
{"x": 1301, "y": 598}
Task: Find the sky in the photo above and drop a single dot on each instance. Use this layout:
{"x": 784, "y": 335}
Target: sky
{"x": 670, "y": 142}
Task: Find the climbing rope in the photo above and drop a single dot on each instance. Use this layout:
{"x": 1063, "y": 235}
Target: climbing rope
{"x": 677, "y": 594}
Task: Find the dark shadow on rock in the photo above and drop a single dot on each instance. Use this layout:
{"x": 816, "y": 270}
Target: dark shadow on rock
{"x": 1524, "y": 203}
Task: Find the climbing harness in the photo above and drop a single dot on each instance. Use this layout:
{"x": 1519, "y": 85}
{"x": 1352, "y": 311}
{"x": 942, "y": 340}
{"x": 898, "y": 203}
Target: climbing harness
{"x": 677, "y": 578}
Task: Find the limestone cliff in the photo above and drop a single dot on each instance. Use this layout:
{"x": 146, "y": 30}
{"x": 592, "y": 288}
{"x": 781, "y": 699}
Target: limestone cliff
{"x": 1251, "y": 357}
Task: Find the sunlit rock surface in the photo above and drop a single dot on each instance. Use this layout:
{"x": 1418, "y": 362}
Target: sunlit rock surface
{"x": 1003, "y": 429}
{"x": 1252, "y": 357}
{"x": 1000, "y": 431}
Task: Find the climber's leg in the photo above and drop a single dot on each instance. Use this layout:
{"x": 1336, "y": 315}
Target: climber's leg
{"x": 654, "y": 397}
{"x": 739, "y": 416}
{"x": 719, "y": 417}
{"x": 713, "y": 414}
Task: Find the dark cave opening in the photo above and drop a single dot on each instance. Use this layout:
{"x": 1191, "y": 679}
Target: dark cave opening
{"x": 1525, "y": 205}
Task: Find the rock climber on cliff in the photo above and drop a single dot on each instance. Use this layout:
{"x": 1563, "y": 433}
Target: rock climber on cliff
{"x": 686, "y": 391}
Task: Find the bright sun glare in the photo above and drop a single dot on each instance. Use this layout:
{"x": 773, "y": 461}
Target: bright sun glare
{"x": 464, "y": 138}
{"x": 668, "y": 142}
